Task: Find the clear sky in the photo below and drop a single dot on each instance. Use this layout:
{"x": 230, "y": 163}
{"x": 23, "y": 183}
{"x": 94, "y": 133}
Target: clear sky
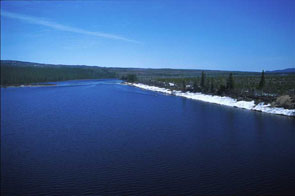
{"x": 246, "y": 35}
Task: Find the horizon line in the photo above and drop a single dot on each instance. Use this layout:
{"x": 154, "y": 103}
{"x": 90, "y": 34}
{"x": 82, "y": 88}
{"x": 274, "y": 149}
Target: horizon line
{"x": 143, "y": 67}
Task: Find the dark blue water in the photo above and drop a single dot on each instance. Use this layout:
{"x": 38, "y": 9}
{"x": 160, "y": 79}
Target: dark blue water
{"x": 103, "y": 138}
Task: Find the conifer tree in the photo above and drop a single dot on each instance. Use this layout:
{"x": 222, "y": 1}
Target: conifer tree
{"x": 202, "y": 84}
{"x": 183, "y": 85}
{"x": 212, "y": 86}
{"x": 230, "y": 82}
{"x": 131, "y": 78}
{"x": 195, "y": 86}
{"x": 262, "y": 81}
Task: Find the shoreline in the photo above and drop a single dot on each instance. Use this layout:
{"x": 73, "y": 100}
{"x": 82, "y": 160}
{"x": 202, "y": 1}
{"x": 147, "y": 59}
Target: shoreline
{"x": 28, "y": 85}
{"x": 47, "y": 84}
{"x": 227, "y": 101}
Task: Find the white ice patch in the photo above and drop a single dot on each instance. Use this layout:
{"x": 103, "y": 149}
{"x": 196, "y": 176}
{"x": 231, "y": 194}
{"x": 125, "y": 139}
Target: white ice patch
{"x": 250, "y": 105}
{"x": 171, "y": 84}
{"x": 151, "y": 88}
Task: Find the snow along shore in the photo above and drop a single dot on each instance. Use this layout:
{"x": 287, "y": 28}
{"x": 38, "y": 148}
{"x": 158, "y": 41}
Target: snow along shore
{"x": 250, "y": 105}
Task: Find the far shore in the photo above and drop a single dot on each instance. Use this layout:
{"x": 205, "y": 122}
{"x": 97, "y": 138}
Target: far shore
{"x": 27, "y": 85}
{"x": 47, "y": 84}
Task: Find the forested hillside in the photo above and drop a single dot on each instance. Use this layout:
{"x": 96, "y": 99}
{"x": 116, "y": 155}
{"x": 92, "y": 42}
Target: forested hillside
{"x": 15, "y": 73}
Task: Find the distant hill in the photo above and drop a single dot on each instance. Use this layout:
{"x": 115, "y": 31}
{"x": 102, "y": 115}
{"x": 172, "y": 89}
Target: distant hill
{"x": 288, "y": 70}
{"x": 140, "y": 72}
{"x": 32, "y": 64}
{"x": 19, "y": 72}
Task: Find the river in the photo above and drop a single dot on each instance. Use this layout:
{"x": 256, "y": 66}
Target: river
{"x": 99, "y": 137}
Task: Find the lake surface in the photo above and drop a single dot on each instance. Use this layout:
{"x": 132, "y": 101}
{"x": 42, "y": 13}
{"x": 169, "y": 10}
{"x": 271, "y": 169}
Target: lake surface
{"x": 98, "y": 137}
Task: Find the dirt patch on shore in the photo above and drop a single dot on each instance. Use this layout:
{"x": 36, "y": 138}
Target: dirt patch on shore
{"x": 285, "y": 101}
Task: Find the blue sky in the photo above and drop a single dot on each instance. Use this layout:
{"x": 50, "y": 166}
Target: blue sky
{"x": 226, "y": 35}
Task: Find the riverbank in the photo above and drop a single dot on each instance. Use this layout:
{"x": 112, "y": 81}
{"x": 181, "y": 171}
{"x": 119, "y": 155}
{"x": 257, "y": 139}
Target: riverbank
{"x": 221, "y": 100}
{"x": 27, "y": 85}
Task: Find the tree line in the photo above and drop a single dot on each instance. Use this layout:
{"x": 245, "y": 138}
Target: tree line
{"x": 229, "y": 86}
{"x": 225, "y": 84}
{"x": 15, "y": 75}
